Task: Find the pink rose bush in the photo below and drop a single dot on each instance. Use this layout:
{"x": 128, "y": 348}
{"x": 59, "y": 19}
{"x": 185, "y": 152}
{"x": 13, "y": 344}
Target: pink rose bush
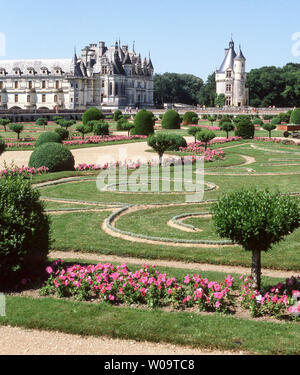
{"x": 277, "y": 301}
{"x": 24, "y": 171}
{"x": 20, "y": 145}
{"x": 213, "y": 128}
{"x": 209, "y": 155}
{"x": 147, "y": 286}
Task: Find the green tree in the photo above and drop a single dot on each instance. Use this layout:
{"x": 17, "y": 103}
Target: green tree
{"x": 42, "y": 122}
{"x": 245, "y": 128}
{"x": 256, "y": 220}
{"x": 220, "y": 100}
{"x": 143, "y": 123}
{"x": 117, "y": 115}
{"x": 92, "y": 114}
{"x": 227, "y": 127}
{"x": 171, "y": 120}
{"x": 193, "y": 130}
{"x": 207, "y": 93}
{"x": 83, "y": 129}
{"x": 162, "y": 142}
{"x": 127, "y": 126}
{"x": 268, "y": 126}
{"x": 205, "y": 136}
{"x": 4, "y": 122}
{"x": 212, "y": 119}
{"x": 17, "y": 128}
{"x": 295, "y": 117}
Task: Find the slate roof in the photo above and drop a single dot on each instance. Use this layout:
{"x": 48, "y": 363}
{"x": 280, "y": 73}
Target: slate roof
{"x": 38, "y": 64}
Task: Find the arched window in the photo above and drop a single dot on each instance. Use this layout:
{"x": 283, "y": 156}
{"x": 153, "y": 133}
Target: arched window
{"x": 28, "y": 98}
{"x": 55, "y": 98}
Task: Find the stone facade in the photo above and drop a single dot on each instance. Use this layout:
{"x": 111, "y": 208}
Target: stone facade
{"x": 102, "y": 77}
{"x": 231, "y": 78}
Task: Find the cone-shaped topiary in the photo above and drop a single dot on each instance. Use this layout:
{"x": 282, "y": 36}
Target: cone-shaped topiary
{"x": 53, "y": 156}
{"x": 143, "y": 123}
{"x": 171, "y": 120}
{"x": 295, "y": 116}
{"x": 48, "y": 137}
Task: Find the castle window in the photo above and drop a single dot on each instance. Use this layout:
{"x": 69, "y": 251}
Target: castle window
{"x": 102, "y": 98}
{"x": 228, "y": 74}
{"x": 28, "y": 98}
{"x": 57, "y": 84}
{"x": 43, "y": 98}
{"x": 16, "y": 84}
{"x": 30, "y": 84}
{"x": 228, "y": 100}
{"x": 116, "y": 89}
{"x": 16, "y": 98}
{"x": 1, "y": 85}
{"x": 103, "y": 83}
{"x": 228, "y": 88}
{"x": 43, "y": 84}
{"x": 110, "y": 88}
{"x": 55, "y": 98}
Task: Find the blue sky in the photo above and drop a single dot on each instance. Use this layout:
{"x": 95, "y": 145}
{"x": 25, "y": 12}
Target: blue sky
{"x": 183, "y": 36}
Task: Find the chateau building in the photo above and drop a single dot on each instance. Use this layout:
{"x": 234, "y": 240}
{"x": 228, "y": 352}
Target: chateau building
{"x": 103, "y": 77}
{"x": 231, "y": 78}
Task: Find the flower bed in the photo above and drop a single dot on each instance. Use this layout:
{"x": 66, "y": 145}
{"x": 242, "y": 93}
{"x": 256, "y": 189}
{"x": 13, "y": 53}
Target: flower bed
{"x": 209, "y": 154}
{"x": 25, "y": 171}
{"x": 20, "y": 145}
{"x": 213, "y": 128}
{"x": 277, "y": 301}
{"x": 148, "y": 286}
{"x": 101, "y": 139}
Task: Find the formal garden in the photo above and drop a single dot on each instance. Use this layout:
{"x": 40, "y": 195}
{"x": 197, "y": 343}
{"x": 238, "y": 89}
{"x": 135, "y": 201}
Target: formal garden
{"x": 221, "y": 273}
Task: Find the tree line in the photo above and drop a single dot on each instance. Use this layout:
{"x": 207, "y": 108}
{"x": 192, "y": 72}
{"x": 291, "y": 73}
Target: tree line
{"x": 268, "y": 86}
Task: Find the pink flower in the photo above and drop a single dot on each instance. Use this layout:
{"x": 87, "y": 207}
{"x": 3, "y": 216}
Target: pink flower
{"x": 49, "y": 270}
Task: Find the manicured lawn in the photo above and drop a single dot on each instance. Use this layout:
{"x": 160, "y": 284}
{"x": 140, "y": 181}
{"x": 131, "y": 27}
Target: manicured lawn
{"x": 204, "y": 331}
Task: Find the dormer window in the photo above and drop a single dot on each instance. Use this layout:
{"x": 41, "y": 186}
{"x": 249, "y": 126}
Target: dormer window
{"x": 31, "y": 70}
{"x": 44, "y": 70}
{"x": 17, "y": 71}
{"x": 2, "y": 72}
{"x": 58, "y": 70}
{"x": 228, "y": 74}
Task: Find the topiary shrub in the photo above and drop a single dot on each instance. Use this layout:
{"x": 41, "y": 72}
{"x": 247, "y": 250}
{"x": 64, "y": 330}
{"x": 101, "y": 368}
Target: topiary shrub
{"x": 63, "y": 133}
{"x": 120, "y": 123}
{"x": 171, "y": 120}
{"x": 100, "y": 128}
{"x": 143, "y": 123}
{"x": 4, "y": 122}
{"x": 117, "y": 115}
{"x": 269, "y": 127}
{"x": 47, "y": 138}
{"x": 42, "y": 122}
{"x": 127, "y": 126}
{"x": 276, "y": 121}
{"x": 295, "y": 117}
{"x": 24, "y": 230}
{"x": 17, "y": 128}
{"x": 245, "y": 128}
{"x": 2, "y": 146}
{"x": 205, "y": 136}
{"x": 92, "y": 114}
{"x": 190, "y": 118}
{"x": 257, "y": 121}
{"x": 162, "y": 142}
{"x": 227, "y": 127}
{"x": 256, "y": 219}
{"x": 53, "y": 156}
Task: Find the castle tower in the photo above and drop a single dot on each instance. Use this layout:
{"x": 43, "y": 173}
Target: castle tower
{"x": 239, "y": 89}
{"x": 231, "y": 77}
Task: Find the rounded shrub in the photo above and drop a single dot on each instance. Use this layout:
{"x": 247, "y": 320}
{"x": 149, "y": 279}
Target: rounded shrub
{"x": 295, "y": 116}
{"x": 53, "y": 156}
{"x": 257, "y": 121}
{"x": 117, "y": 115}
{"x": 92, "y": 114}
{"x": 162, "y": 142}
{"x": 48, "y": 137}
{"x": 120, "y": 123}
{"x": 24, "y": 230}
{"x": 100, "y": 128}
{"x": 276, "y": 121}
{"x": 171, "y": 120}
{"x": 63, "y": 133}
{"x": 245, "y": 128}
{"x": 190, "y": 118}
{"x": 143, "y": 123}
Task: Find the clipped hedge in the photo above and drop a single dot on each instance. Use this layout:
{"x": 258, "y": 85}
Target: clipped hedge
{"x": 92, "y": 114}
{"x": 24, "y": 230}
{"x": 53, "y": 156}
{"x": 100, "y": 128}
{"x": 171, "y": 120}
{"x": 295, "y": 117}
{"x": 190, "y": 118}
{"x": 48, "y": 137}
{"x": 143, "y": 123}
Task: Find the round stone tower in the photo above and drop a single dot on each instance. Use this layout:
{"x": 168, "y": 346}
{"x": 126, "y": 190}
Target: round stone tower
{"x": 239, "y": 96}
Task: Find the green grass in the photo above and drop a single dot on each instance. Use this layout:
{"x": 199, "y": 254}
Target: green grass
{"x": 181, "y": 328}
{"x": 82, "y": 232}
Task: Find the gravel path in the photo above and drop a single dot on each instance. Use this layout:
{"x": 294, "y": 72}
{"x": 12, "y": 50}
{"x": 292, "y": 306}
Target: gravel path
{"x": 19, "y": 341}
{"x": 169, "y": 263}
